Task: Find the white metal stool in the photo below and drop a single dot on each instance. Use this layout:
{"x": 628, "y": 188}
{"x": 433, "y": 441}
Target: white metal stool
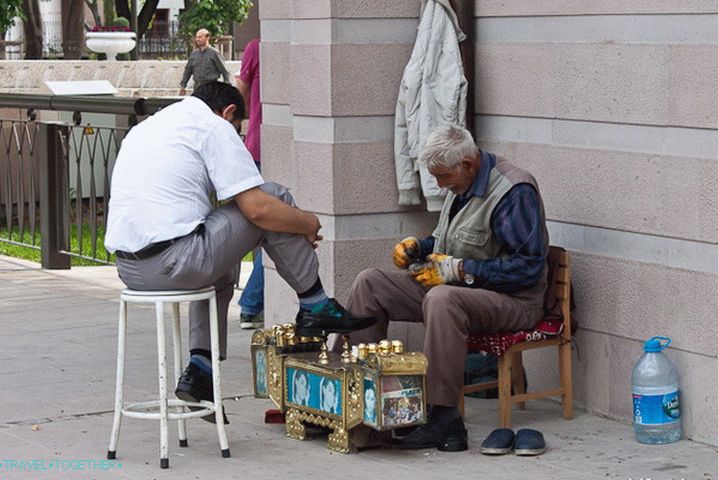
{"x": 140, "y": 410}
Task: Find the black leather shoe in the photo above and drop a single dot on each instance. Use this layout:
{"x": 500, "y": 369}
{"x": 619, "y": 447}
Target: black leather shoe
{"x": 195, "y": 385}
{"x": 329, "y": 317}
{"x": 448, "y": 436}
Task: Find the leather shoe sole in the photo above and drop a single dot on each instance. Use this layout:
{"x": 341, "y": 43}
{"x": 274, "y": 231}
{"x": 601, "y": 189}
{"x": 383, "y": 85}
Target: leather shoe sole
{"x": 455, "y": 442}
{"x": 317, "y": 327}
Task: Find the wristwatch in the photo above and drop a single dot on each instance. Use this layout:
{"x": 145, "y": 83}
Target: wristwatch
{"x": 466, "y": 277}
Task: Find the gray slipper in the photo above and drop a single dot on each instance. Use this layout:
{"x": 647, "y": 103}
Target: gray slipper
{"x": 499, "y": 442}
{"x": 529, "y": 442}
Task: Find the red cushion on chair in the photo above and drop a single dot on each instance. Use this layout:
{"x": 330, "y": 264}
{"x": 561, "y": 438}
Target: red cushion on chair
{"x": 498, "y": 343}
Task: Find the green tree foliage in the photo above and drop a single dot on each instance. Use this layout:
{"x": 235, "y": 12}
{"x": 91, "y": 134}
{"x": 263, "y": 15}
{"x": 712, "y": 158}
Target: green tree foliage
{"x": 214, "y": 15}
{"x": 9, "y": 9}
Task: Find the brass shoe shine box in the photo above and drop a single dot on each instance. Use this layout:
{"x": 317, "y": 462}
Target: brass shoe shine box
{"x": 377, "y": 385}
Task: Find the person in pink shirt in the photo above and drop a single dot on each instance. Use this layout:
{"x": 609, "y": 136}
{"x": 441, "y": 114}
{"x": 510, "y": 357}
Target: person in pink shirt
{"x": 252, "y": 299}
{"x": 248, "y": 85}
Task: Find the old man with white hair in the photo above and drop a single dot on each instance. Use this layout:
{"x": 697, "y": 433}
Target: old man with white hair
{"x": 483, "y": 270}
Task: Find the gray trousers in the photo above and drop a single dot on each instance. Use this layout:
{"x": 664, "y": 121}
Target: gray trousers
{"x": 449, "y": 313}
{"x": 211, "y": 256}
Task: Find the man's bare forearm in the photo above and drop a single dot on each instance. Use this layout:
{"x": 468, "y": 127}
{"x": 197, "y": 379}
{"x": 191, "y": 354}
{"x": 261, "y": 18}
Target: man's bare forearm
{"x": 271, "y": 214}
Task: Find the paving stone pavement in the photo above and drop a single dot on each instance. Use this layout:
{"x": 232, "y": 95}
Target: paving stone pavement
{"x": 57, "y": 351}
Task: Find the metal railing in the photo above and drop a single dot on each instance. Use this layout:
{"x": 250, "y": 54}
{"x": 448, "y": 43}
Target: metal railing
{"x": 55, "y": 175}
{"x": 164, "y": 41}
{"x": 18, "y": 183}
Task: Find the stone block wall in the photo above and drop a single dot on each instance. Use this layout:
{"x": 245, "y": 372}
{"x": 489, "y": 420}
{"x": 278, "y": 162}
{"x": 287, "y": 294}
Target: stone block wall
{"x": 612, "y": 106}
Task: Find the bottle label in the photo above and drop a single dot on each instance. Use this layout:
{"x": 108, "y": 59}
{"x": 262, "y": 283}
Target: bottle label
{"x": 656, "y": 409}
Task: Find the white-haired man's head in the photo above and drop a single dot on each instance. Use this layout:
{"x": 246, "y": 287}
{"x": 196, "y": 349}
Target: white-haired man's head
{"x": 446, "y": 147}
{"x": 452, "y": 157}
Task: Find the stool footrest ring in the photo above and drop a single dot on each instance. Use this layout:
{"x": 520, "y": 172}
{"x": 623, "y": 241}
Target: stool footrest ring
{"x": 139, "y": 409}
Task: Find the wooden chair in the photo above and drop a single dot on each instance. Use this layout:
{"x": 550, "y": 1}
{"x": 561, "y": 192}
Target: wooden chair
{"x": 510, "y": 373}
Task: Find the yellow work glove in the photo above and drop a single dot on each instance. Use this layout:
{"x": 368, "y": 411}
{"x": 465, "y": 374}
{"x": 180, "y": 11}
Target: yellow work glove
{"x": 406, "y": 252}
{"x": 439, "y": 270}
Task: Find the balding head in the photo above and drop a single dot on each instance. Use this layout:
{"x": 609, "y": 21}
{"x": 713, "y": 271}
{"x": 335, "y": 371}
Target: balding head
{"x": 201, "y": 38}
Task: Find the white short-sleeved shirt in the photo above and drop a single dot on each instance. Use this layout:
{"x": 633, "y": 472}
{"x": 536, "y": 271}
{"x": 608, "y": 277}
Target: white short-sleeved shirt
{"x": 165, "y": 171}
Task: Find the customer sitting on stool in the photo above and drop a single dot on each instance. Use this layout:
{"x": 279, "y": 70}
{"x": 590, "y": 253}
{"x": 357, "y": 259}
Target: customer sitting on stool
{"x": 167, "y": 236}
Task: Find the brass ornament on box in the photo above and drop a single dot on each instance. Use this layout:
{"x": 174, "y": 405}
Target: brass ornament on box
{"x": 376, "y": 385}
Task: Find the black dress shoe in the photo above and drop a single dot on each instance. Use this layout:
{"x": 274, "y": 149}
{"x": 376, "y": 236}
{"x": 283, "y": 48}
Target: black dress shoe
{"x": 329, "y": 317}
{"x": 447, "y": 436}
{"x": 195, "y": 385}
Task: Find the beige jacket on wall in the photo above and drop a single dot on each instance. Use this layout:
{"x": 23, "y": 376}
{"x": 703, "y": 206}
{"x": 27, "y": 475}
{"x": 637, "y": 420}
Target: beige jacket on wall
{"x": 432, "y": 93}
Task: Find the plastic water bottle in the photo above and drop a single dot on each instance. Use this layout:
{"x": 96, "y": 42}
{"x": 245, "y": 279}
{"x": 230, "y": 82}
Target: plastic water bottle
{"x": 656, "y": 412}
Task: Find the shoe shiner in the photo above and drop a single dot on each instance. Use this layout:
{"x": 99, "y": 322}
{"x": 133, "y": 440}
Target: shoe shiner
{"x": 167, "y": 236}
{"x": 482, "y": 270}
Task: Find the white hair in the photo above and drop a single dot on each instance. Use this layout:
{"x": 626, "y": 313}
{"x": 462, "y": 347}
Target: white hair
{"x": 447, "y": 146}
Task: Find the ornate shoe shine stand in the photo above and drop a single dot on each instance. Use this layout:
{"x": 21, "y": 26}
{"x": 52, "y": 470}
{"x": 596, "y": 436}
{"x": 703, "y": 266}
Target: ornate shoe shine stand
{"x": 377, "y": 385}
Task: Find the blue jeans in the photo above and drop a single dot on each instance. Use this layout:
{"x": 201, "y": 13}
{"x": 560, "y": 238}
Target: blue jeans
{"x": 252, "y": 299}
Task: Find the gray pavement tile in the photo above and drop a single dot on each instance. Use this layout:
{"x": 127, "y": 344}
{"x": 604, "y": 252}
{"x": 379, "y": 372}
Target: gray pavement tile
{"x": 50, "y": 319}
{"x": 48, "y": 304}
{"x": 10, "y": 265}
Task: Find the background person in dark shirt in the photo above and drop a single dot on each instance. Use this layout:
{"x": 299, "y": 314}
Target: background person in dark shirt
{"x": 205, "y": 63}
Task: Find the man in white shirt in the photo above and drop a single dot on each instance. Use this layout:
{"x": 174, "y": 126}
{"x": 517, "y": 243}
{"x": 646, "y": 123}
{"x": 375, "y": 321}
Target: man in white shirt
{"x": 167, "y": 236}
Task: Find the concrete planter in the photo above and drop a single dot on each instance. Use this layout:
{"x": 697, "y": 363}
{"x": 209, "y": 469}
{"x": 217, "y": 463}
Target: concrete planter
{"x": 110, "y": 43}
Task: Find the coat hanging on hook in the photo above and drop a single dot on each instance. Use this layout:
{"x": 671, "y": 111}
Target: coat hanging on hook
{"x": 432, "y": 93}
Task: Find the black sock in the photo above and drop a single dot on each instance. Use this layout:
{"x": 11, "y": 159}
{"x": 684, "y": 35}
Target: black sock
{"x": 442, "y": 413}
{"x": 201, "y": 351}
{"x": 312, "y": 297}
{"x": 316, "y": 288}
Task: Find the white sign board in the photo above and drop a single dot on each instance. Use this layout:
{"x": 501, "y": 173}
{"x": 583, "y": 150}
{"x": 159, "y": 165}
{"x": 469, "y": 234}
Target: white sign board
{"x": 80, "y": 87}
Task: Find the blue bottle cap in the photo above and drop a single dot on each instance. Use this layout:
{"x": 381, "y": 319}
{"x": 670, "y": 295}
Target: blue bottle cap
{"x": 654, "y": 344}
